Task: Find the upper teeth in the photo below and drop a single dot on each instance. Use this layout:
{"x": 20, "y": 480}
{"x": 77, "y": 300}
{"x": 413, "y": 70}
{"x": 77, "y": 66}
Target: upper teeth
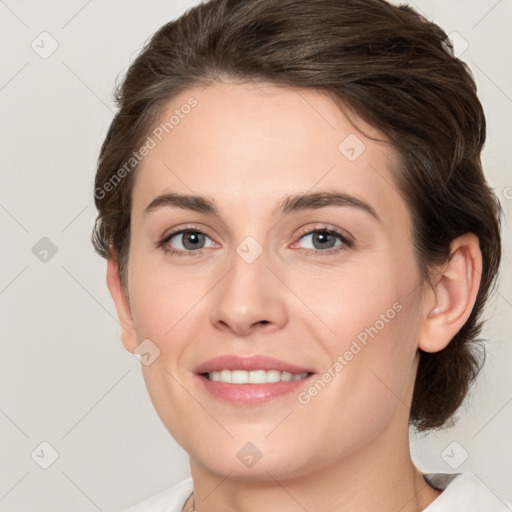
{"x": 254, "y": 376}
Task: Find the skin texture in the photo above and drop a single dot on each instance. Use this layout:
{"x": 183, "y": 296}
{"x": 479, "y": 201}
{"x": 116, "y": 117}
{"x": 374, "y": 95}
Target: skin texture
{"x": 247, "y": 146}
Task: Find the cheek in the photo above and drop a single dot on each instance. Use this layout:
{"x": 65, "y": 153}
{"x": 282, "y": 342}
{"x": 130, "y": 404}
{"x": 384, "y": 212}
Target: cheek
{"x": 163, "y": 299}
{"x": 350, "y": 300}
{"x": 372, "y": 320}
{"x": 378, "y": 357}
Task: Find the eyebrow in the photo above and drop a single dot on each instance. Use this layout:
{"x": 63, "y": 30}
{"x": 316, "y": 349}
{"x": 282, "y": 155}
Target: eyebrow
{"x": 294, "y": 203}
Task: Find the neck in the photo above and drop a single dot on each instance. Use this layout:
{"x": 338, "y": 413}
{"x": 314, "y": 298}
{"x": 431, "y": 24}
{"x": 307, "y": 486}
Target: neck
{"x": 381, "y": 477}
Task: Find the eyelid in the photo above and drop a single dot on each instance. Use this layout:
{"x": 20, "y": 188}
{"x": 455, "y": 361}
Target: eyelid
{"x": 347, "y": 240}
{"x": 164, "y": 239}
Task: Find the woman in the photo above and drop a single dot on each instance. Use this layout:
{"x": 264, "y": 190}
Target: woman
{"x": 300, "y": 243}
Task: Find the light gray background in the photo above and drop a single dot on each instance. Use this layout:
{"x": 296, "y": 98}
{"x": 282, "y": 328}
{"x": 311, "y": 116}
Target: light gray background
{"x": 65, "y": 377}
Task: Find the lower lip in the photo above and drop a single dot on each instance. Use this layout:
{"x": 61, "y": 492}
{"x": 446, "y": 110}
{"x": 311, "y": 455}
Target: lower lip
{"x": 251, "y": 394}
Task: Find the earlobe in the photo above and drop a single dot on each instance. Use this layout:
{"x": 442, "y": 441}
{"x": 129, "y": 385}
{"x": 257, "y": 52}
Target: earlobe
{"x": 128, "y": 333}
{"x": 454, "y": 294}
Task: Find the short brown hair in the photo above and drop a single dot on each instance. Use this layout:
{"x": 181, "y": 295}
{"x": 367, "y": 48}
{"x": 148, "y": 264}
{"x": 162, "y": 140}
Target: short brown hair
{"x": 394, "y": 69}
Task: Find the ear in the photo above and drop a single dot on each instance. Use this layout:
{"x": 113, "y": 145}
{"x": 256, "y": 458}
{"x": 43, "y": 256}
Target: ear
{"x": 451, "y": 300}
{"x": 128, "y": 333}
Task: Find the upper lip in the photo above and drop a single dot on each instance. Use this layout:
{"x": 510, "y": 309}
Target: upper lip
{"x": 248, "y": 363}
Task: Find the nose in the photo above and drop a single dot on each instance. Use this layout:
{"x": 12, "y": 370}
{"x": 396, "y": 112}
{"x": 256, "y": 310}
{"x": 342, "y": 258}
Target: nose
{"x": 249, "y": 298}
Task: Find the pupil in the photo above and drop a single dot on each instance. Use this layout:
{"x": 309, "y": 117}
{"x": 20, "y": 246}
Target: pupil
{"x": 192, "y": 235}
{"x": 323, "y": 237}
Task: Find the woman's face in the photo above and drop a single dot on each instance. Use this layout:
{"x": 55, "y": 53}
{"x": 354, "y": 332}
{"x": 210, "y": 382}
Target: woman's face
{"x": 304, "y": 254}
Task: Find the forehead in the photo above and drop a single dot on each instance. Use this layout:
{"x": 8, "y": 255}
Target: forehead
{"x": 250, "y": 145}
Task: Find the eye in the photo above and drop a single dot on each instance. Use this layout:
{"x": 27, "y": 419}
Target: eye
{"x": 185, "y": 241}
{"x": 325, "y": 240}
{"x": 190, "y": 241}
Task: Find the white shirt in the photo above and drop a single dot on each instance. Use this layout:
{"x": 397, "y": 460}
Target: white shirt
{"x": 462, "y": 492}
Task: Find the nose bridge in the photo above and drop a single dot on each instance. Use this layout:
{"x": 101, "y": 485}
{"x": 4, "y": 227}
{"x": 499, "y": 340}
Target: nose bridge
{"x": 249, "y": 293}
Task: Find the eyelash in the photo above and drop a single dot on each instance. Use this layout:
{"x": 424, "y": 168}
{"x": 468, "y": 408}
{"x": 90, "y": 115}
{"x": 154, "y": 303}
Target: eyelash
{"x": 346, "y": 242}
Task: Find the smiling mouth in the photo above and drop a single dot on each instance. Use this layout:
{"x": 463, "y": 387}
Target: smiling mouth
{"x": 253, "y": 376}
